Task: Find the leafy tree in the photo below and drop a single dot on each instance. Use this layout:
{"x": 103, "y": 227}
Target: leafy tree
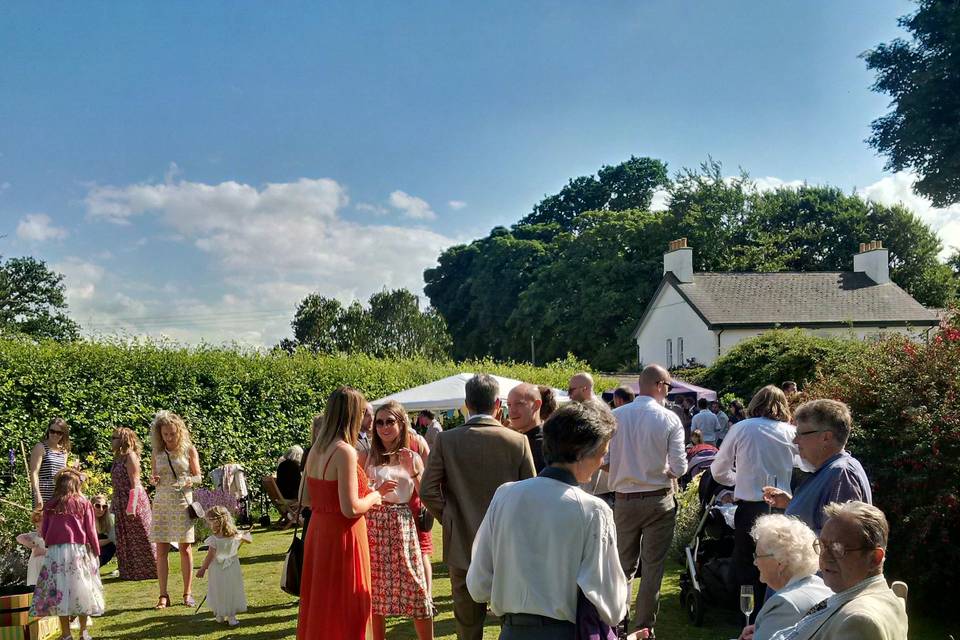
{"x": 393, "y": 327}
{"x": 923, "y": 77}
{"x": 32, "y": 300}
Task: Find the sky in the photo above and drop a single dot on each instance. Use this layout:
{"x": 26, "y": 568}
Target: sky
{"x": 195, "y": 169}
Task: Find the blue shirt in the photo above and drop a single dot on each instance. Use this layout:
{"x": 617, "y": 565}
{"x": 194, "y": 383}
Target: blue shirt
{"x": 839, "y": 479}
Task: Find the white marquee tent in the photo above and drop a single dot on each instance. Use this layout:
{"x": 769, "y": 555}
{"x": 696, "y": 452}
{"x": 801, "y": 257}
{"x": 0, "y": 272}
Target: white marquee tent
{"x": 448, "y": 394}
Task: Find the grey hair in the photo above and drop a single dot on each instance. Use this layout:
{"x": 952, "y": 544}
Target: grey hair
{"x": 873, "y": 524}
{"x": 294, "y": 453}
{"x": 827, "y": 415}
{"x": 481, "y": 393}
{"x": 790, "y": 541}
{"x": 577, "y": 430}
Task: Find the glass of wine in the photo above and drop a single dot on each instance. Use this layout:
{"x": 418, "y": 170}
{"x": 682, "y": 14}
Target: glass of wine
{"x": 746, "y": 600}
{"x": 771, "y": 482}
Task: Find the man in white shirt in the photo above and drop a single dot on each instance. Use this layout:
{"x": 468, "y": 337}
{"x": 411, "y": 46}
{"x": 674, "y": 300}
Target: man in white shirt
{"x": 722, "y": 419}
{"x": 646, "y": 457}
{"x": 428, "y": 422}
{"x": 758, "y": 452}
{"x": 706, "y": 422}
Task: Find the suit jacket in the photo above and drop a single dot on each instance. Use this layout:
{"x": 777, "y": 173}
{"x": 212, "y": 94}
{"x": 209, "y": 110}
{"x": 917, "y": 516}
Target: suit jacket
{"x": 875, "y": 613}
{"x": 466, "y": 466}
{"x": 785, "y": 608}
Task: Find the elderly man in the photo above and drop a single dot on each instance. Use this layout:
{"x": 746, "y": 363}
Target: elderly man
{"x": 852, "y": 548}
{"x": 524, "y": 402}
{"x": 646, "y": 457}
{"x": 467, "y": 465}
{"x": 580, "y": 388}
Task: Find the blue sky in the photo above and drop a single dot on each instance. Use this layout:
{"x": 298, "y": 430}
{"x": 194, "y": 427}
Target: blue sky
{"x": 196, "y": 168}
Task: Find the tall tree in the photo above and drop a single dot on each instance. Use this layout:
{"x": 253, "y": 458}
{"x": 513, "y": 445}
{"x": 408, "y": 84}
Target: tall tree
{"x": 32, "y": 300}
{"x": 923, "y": 77}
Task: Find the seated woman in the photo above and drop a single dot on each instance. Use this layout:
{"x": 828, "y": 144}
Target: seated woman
{"x": 551, "y": 517}
{"x": 288, "y": 473}
{"x": 106, "y": 529}
{"x": 788, "y": 562}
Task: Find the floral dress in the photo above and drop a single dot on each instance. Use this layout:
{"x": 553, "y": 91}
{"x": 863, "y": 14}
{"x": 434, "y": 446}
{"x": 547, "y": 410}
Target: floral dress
{"x": 136, "y": 555}
{"x": 170, "y": 520}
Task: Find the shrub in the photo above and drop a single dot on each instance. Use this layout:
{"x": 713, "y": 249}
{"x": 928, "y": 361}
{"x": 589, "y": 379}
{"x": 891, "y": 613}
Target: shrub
{"x": 904, "y": 400}
{"x": 688, "y": 517}
{"x": 775, "y": 356}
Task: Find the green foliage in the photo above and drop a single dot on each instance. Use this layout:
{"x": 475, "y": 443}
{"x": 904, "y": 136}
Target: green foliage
{"x": 392, "y": 327}
{"x": 577, "y": 280}
{"x": 688, "y": 517}
{"x": 32, "y": 301}
{"x": 904, "y": 401}
{"x": 923, "y": 78}
{"x": 775, "y": 356}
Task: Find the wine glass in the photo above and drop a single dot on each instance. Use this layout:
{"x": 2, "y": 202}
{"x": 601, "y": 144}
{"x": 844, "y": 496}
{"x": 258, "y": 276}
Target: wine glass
{"x": 771, "y": 482}
{"x": 746, "y": 600}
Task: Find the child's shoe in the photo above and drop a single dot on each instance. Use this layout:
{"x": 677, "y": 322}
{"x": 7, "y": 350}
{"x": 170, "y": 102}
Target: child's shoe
{"x": 232, "y": 621}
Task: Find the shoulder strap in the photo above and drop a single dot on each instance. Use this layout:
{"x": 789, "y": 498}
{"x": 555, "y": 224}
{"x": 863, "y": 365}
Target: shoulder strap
{"x": 175, "y": 478}
{"x": 329, "y": 458}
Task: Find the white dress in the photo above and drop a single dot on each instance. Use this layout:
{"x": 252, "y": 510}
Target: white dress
{"x": 37, "y": 550}
{"x": 225, "y": 594}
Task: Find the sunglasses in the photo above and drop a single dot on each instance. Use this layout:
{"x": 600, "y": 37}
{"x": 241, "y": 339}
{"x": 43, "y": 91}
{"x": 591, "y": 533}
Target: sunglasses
{"x": 99, "y": 506}
{"x": 58, "y": 433}
{"x": 389, "y": 422}
{"x": 666, "y": 382}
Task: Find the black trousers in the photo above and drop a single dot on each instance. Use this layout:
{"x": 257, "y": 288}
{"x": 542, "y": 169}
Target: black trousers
{"x": 744, "y": 571}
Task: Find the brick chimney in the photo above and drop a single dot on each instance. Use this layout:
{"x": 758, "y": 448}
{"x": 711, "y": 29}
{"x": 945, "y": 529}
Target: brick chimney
{"x": 874, "y": 261}
{"x": 678, "y": 260}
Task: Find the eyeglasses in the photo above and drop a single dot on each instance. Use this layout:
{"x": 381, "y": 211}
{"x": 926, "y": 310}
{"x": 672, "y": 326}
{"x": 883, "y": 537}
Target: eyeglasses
{"x": 806, "y": 433}
{"x": 836, "y": 550}
{"x": 99, "y": 506}
{"x": 666, "y": 382}
{"x": 572, "y": 389}
{"x": 761, "y": 555}
{"x": 389, "y": 422}
{"x": 56, "y": 433}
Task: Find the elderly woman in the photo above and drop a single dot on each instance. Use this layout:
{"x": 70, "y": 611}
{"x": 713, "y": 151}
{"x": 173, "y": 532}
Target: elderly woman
{"x": 788, "y": 562}
{"x": 823, "y": 427}
{"x": 537, "y": 599}
{"x": 288, "y": 473}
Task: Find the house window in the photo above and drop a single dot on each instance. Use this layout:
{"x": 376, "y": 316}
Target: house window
{"x": 679, "y": 352}
{"x": 669, "y": 353}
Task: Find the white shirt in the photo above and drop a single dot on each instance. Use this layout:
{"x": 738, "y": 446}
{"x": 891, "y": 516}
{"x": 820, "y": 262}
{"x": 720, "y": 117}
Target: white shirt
{"x": 402, "y": 493}
{"x": 540, "y": 539}
{"x": 756, "y": 451}
{"x": 648, "y": 442}
{"x": 724, "y": 421}
{"x": 432, "y": 432}
{"x": 708, "y": 424}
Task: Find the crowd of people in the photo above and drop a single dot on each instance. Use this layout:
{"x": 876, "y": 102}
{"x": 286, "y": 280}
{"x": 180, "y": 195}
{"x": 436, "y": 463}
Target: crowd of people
{"x": 548, "y": 513}
{"x": 548, "y": 516}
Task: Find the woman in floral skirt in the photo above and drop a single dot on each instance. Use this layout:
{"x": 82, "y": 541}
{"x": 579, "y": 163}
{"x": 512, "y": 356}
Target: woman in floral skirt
{"x": 136, "y": 555}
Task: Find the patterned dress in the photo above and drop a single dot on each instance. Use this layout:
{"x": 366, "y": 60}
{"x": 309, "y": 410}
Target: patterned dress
{"x": 136, "y": 555}
{"x": 170, "y": 520}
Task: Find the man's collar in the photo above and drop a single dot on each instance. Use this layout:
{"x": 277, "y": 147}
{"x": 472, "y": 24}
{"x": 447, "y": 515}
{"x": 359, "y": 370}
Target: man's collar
{"x": 558, "y": 473}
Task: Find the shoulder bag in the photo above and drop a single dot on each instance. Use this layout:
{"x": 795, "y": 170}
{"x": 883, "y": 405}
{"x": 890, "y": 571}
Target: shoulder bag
{"x": 292, "y": 569}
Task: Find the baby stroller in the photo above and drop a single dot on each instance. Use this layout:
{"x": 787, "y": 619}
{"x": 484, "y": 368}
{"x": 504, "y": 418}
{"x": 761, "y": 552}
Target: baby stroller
{"x": 231, "y": 479}
{"x": 707, "y": 558}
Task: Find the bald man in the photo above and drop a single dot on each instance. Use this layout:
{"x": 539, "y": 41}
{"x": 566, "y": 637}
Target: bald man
{"x": 580, "y": 387}
{"x": 523, "y": 404}
{"x": 646, "y": 456}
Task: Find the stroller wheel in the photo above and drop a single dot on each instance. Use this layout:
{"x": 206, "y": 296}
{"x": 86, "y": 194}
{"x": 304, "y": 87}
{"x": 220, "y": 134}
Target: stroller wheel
{"x": 695, "y": 607}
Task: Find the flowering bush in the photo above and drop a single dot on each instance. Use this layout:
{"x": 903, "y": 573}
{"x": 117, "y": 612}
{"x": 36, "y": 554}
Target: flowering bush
{"x": 904, "y": 400}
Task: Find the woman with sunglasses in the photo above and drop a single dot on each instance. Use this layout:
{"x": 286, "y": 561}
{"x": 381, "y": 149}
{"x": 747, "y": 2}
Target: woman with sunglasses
{"x": 398, "y": 580}
{"x": 106, "y": 528}
{"x": 47, "y": 458}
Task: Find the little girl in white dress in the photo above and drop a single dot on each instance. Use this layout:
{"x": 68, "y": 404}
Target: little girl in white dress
{"x": 225, "y": 594}
{"x": 34, "y": 542}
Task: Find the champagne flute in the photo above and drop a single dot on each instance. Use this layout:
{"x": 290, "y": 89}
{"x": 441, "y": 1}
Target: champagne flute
{"x": 746, "y": 600}
{"x": 771, "y": 482}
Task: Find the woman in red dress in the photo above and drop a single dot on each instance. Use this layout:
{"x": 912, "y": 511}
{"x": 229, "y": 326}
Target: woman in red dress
{"x": 335, "y": 588}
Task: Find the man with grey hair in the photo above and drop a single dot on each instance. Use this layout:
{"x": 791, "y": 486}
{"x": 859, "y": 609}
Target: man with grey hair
{"x": 465, "y": 468}
{"x": 646, "y": 457}
{"x": 852, "y": 548}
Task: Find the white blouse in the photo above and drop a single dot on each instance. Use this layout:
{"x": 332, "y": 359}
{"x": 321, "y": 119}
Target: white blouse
{"x": 404, "y": 489}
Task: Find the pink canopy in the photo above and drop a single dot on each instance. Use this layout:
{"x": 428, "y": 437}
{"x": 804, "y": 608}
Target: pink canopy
{"x": 680, "y": 388}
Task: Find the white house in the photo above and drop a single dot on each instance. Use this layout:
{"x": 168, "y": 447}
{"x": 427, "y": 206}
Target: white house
{"x": 703, "y": 315}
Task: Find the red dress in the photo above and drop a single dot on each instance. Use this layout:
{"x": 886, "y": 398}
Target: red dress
{"x": 335, "y": 584}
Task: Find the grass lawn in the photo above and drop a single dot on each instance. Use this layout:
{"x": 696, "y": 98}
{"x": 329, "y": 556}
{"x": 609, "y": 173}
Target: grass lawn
{"x": 272, "y": 615}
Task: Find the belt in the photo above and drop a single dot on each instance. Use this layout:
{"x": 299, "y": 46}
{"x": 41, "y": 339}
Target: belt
{"x": 644, "y": 494}
{"x": 531, "y": 620}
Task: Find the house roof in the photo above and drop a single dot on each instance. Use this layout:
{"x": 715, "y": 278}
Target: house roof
{"x": 830, "y": 298}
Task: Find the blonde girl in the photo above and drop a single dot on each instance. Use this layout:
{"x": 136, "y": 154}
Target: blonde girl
{"x": 225, "y": 593}
{"x": 176, "y": 470}
{"x": 34, "y": 541}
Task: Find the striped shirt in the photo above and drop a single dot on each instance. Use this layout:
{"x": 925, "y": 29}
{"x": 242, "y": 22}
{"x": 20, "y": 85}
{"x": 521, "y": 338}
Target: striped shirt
{"x": 53, "y": 462}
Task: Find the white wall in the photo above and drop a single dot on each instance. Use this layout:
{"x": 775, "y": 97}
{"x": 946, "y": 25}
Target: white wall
{"x": 731, "y": 337}
{"x": 671, "y": 317}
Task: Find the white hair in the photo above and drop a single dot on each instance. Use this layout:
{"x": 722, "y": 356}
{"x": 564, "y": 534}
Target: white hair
{"x": 294, "y": 453}
{"x": 790, "y": 541}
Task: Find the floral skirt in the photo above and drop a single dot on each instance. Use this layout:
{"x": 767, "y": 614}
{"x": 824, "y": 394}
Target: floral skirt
{"x": 69, "y": 583}
{"x": 397, "y": 580}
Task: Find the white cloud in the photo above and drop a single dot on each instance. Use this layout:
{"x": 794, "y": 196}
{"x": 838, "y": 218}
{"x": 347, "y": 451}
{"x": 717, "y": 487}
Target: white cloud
{"x": 660, "y": 200}
{"x": 411, "y": 206}
{"x": 898, "y": 189}
{"x": 271, "y": 247}
{"x": 770, "y": 183}
{"x": 80, "y": 279}
{"x": 38, "y": 227}
{"x": 375, "y": 209}
{"x": 456, "y": 205}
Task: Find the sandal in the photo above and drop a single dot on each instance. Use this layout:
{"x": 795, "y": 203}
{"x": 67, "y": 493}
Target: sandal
{"x": 188, "y": 600}
{"x": 163, "y": 602}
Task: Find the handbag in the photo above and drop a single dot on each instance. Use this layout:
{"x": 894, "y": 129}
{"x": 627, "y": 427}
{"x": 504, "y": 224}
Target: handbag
{"x": 194, "y": 509}
{"x": 425, "y": 520}
{"x": 292, "y": 568}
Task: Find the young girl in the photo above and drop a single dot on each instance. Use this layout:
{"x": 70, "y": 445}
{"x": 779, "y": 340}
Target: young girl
{"x": 225, "y": 594}
{"x": 34, "y": 542}
{"x": 69, "y": 580}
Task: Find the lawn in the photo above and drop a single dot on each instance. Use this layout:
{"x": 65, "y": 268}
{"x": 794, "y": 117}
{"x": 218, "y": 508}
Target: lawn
{"x": 272, "y": 615}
